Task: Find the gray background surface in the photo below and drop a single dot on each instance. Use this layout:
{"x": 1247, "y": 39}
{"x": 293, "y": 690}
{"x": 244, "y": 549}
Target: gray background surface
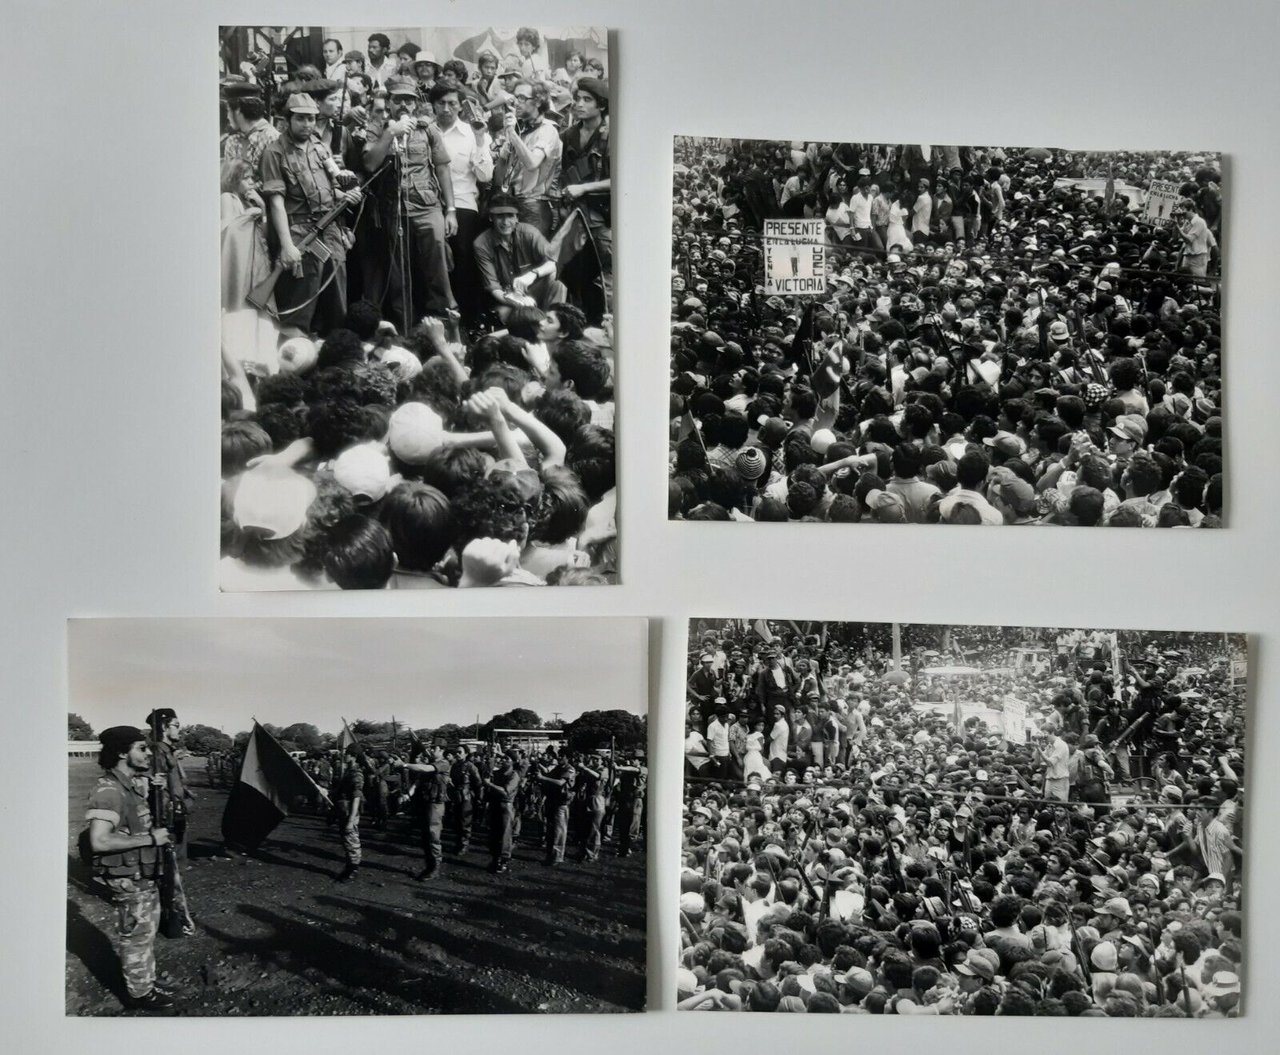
{"x": 109, "y": 429}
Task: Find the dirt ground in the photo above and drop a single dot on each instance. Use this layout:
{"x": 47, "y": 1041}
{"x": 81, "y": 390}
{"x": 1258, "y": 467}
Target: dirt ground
{"x": 277, "y": 936}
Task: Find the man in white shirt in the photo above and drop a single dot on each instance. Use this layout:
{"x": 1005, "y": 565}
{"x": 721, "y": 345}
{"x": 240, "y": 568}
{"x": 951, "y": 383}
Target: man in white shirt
{"x": 860, "y": 208}
{"x": 779, "y": 737}
{"x": 718, "y": 741}
{"x": 470, "y": 164}
{"x": 382, "y": 64}
{"x": 1055, "y": 753}
{"x": 922, "y": 212}
{"x": 335, "y": 68}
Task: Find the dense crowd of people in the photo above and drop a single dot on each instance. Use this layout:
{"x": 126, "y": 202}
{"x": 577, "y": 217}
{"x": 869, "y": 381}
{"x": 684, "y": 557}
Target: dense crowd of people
{"x": 857, "y": 839}
{"x": 417, "y": 349}
{"x": 1008, "y": 337}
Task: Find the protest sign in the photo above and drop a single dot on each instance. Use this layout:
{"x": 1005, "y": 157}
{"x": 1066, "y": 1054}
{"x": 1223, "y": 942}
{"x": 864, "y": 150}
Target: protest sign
{"x": 794, "y": 258}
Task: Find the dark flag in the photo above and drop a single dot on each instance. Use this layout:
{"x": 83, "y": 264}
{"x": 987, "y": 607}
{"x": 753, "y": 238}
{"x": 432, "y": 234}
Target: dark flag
{"x": 578, "y": 266}
{"x": 269, "y": 782}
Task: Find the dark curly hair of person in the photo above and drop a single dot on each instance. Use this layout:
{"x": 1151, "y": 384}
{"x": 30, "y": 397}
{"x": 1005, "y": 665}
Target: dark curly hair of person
{"x": 483, "y": 510}
{"x": 334, "y": 426}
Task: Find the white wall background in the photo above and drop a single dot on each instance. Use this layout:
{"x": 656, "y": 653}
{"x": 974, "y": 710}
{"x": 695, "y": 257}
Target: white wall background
{"x": 108, "y": 434}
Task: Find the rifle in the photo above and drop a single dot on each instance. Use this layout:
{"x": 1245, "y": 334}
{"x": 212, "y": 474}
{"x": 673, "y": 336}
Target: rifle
{"x": 824, "y": 909}
{"x": 171, "y": 922}
{"x": 1129, "y": 730}
{"x": 261, "y": 293}
{"x": 1186, "y": 995}
{"x": 1078, "y": 946}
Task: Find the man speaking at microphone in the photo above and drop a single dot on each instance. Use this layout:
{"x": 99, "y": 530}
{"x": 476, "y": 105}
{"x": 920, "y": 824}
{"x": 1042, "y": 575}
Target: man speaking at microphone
{"x": 427, "y": 188}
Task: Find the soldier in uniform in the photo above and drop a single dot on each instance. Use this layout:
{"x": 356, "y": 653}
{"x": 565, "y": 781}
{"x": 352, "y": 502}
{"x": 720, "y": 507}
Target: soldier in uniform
{"x": 592, "y": 793}
{"x": 584, "y": 165}
{"x": 300, "y": 181}
{"x": 426, "y": 184}
{"x": 125, "y": 851}
{"x": 501, "y": 789}
{"x": 464, "y": 789}
{"x": 175, "y": 798}
{"x": 557, "y": 788}
{"x": 433, "y": 776}
{"x": 631, "y": 787}
{"x": 347, "y": 799}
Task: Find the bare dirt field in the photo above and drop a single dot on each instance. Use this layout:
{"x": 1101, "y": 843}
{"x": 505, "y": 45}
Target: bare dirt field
{"x": 278, "y": 936}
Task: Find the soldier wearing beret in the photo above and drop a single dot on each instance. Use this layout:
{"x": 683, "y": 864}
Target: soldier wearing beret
{"x": 125, "y": 852}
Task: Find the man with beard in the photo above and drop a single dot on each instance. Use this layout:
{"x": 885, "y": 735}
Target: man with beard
{"x": 382, "y": 65}
{"x": 425, "y": 184}
{"x": 125, "y": 852}
{"x": 301, "y": 183}
{"x": 529, "y": 158}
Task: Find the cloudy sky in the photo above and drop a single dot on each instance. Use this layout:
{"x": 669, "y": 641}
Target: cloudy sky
{"x": 226, "y": 672}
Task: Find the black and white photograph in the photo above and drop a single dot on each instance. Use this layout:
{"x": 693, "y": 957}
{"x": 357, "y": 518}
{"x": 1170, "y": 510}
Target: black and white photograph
{"x": 923, "y": 334}
{"x": 356, "y": 816}
{"x": 417, "y": 327}
{"x": 920, "y": 819}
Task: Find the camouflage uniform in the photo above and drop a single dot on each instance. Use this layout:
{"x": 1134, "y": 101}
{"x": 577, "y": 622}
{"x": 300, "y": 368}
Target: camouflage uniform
{"x": 131, "y": 877}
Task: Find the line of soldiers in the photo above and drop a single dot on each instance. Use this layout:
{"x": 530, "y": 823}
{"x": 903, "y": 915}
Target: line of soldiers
{"x": 583, "y": 795}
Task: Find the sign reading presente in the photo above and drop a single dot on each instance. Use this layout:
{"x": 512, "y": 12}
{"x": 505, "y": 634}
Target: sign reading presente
{"x": 795, "y": 253}
{"x": 1161, "y": 199}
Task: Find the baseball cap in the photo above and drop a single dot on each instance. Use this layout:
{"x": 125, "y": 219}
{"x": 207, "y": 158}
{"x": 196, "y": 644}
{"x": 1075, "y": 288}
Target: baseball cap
{"x": 363, "y": 470}
{"x": 400, "y": 85}
{"x": 1132, "y": 427}
{"x": 1015, "y": 492}
{"x": 298, "y": 355}
{"x": 273, "y": 500}
{"x": 1006, "y": 443}
{"x": 415, "y": 430}
{"x": 301, "y": 103}
{"x": 886, "y": 507}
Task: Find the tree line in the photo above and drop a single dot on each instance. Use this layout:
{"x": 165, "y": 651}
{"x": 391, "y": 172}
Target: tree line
{"x": 589, "y": 732}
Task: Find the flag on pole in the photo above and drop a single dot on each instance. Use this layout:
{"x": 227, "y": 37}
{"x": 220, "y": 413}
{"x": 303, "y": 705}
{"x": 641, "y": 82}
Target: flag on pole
{"x": 762, "y": 628}
{"x": 346, "y": 738}
{"x": 268, "y": 784}
{"x": 689, "y": 427}
{"x": 1117, "y": 668}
